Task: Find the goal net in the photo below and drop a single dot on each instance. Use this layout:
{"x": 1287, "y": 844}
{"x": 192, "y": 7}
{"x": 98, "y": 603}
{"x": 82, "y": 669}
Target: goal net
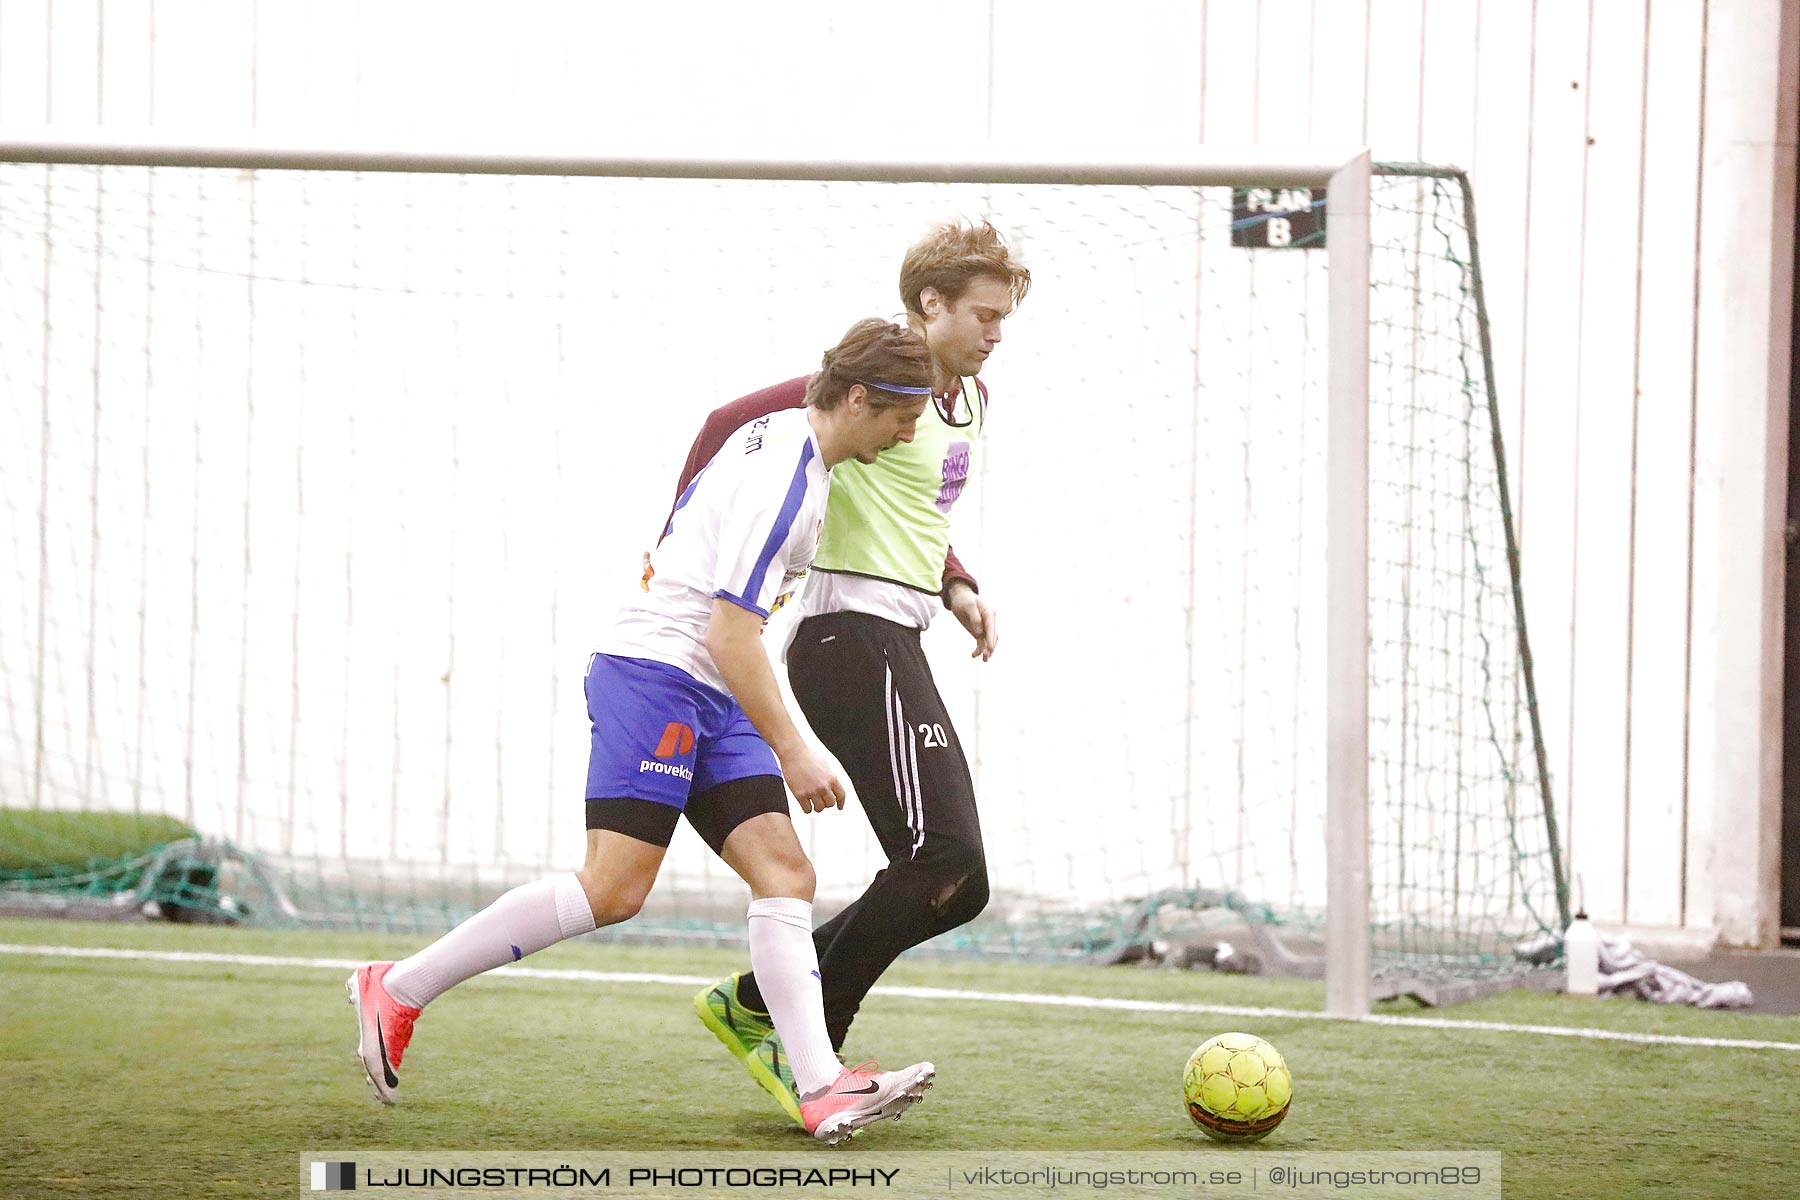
{"x": 319, "y": 487}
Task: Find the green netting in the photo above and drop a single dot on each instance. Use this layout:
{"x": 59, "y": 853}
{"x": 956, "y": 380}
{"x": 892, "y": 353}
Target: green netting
{"x": 1465, "y": 855}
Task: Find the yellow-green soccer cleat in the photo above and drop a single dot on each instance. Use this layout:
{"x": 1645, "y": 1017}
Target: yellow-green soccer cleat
{"x": 743, "y": 1032}
{"x": 769, "y": 1066}
{"x": 738, "y": 1027}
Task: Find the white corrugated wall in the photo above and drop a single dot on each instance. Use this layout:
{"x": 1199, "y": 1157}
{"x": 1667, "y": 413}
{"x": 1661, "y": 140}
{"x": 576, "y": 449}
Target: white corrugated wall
{"x": 1633, "y": 163}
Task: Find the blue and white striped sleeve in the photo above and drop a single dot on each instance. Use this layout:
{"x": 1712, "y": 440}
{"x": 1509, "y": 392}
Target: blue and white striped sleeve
{"x": 757, "y": 528}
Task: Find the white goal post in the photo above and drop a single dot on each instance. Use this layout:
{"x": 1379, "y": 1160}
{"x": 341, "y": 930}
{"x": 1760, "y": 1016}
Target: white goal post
{"x": 1346, "y": 637}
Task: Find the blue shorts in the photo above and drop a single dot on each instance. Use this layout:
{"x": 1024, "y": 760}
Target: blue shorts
{"x": 661, "y": 735}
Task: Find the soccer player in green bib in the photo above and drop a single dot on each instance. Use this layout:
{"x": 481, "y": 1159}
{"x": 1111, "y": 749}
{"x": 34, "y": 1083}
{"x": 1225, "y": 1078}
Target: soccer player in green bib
{"x": 883, "y": 571}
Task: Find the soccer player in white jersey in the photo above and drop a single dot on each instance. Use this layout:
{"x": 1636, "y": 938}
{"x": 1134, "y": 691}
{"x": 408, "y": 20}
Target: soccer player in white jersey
{"x": 683, "y": 701}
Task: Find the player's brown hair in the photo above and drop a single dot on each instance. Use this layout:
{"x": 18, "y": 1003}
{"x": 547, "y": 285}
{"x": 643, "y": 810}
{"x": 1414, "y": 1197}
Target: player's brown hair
{"x": 952, "y": 257}
{"x": 877, "y": 354}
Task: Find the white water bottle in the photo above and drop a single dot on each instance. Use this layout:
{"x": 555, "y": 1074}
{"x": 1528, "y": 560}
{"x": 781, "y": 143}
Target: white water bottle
{"x": 1581, "y": 955}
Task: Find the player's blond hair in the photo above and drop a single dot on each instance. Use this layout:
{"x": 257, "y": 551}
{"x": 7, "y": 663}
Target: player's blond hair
{"x": 952, "y": 257}
{"x": 873, "y": 353}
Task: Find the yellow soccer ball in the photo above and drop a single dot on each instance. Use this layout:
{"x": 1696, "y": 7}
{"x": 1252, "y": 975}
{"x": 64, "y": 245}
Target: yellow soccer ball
{"x": 1237, "y": 1087}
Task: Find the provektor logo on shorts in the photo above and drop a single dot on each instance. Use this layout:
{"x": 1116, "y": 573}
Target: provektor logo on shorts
{"x": 677, "y": 739}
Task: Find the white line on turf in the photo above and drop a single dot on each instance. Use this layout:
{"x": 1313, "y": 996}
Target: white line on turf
{"x": 1115, "y": 1004}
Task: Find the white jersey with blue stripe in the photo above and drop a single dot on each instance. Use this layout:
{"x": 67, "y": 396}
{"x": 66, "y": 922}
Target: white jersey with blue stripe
{"x": 745, "y": 530}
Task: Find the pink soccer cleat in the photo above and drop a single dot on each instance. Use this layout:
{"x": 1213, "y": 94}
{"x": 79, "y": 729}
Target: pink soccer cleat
{"x": 861, "y": 1096}
{"x": 384, "y": 1026}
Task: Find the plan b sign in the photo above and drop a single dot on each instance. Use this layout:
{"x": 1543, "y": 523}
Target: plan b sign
{"x": 1278, "y": 218}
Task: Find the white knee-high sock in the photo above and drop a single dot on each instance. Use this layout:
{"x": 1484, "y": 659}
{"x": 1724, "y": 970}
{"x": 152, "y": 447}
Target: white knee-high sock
{"x": 521, "y": 922}
{"x": 787, "y": 974}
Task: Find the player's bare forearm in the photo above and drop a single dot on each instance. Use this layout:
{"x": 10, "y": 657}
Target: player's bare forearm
{"x": 983, "y": 624}
{"x": 734, "y": 639}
